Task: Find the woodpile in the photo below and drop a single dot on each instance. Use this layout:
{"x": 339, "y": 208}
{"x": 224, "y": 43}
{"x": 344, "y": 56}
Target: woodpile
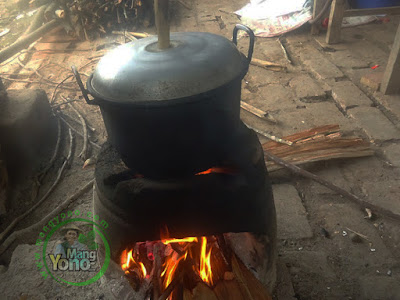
{"x": 317, "y": 144}
{"x": 88, "y": 19}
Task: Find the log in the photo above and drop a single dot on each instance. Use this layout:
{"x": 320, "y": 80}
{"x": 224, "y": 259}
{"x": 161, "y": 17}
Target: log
{"x": 36, "y": 22}
{"x": 26, "y": 41}
{"x": 243, "y": 287}
{"x": 229, "y": 289}
{"x": 249, "y": 285}
{"x": 202, "y": 292}
{"x": 267, "y": 65}
{"x": 49, "y": 12}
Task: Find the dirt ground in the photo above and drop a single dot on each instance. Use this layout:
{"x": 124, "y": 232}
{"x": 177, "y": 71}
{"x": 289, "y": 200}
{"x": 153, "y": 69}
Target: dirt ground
{"x": 327, "y": 262}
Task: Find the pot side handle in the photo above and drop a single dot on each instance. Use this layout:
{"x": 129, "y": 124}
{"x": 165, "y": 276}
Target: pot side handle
{"x": 251, "y": 36}
{"x": 85, "y": 92}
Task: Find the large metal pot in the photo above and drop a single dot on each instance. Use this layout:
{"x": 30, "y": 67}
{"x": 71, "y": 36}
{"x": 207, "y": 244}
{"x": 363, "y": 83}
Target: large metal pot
{"x": 173, "y": 112}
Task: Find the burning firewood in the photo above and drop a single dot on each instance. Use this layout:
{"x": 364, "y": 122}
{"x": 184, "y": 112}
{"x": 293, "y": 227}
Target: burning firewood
{"x": 190, "y": 268}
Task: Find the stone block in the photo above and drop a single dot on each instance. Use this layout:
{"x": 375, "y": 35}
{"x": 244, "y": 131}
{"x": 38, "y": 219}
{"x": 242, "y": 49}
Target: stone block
{"x": 377, "y": 287}
{"x": 348, "y": 59}
{"x": 284, "y": 287}
{"x": 307, "y": 89}
{"x": 353, "y": 257}
{"x": 333, "y": 174}
{"x": 390, "y": 102}
{"x": 375, "y": 124}
{"x": 311, "y": 270}
{"x": 392, "y": 153}
{"x": 309, "y": 262}
{"x": 27, "y": 128}
{"x": 323, "y": 69}
{"x": 347, "y": 95}
{"x": 372, "y": 80}
{"x": 291, "y": 214}
{"x": 384, "y": 193}
{"x": 319, "y": 65}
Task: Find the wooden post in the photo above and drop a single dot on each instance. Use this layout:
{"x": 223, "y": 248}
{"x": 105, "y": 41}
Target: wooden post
{"x": 391, "y": 79}
{"x": 335, "y": 21}
{"x": 162, "y": 23}
{"x": 318, "y": 5}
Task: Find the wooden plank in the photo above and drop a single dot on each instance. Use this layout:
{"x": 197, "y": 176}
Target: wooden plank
{"x": 248, "y": 283}
{"x": 394, "y": 10}
{"x": 303, "y": 135}
{"x": 335, "y": 21}
{"x": 316, "y": 144}
{"x": 257, "y": 112}
{"x": 228, "y": 290}
{"x": 318, "y": 5}
{"x": 391, "y": 79}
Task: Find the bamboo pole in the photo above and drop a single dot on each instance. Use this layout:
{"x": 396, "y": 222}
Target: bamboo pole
{"x": 162, "y": 23}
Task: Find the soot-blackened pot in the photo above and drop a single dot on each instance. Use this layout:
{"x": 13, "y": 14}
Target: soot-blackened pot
{"x": 174, "y": 112}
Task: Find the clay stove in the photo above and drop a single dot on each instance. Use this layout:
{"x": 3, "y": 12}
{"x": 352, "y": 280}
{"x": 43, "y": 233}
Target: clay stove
{"x": 225, "y": 208}
{"x": 182, "y": 182}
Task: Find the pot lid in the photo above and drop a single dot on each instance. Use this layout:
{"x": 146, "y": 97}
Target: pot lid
{"x": 195, "y": 63}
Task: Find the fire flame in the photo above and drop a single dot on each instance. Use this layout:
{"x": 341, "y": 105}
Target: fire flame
{"x": 169, "y": 270}
{"x": 205, "y": 262}
{"x": 201, "y": 264}
{"x": 130, "y": 263}
{"x": 188, "y": 240}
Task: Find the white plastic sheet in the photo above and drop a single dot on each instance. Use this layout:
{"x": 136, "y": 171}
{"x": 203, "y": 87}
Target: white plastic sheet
{"x": 269, "y": 18}
{"x": 263, "y": 9}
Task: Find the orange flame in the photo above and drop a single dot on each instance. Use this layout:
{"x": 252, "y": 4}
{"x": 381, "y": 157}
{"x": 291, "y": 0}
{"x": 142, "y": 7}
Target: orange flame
{"x": 184, "y": 240}
{"x": 144, "y": 271}
{"x": 128, "y": 261}
{"x": 205, "y": 262}
{"x": 169, "y": 270}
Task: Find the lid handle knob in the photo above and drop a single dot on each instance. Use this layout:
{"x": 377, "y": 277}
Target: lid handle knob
{"x": 162, "y": 23}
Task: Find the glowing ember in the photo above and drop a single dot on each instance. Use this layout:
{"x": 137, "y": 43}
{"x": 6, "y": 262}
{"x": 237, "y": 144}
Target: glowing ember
{"x": 217, "y": 170}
